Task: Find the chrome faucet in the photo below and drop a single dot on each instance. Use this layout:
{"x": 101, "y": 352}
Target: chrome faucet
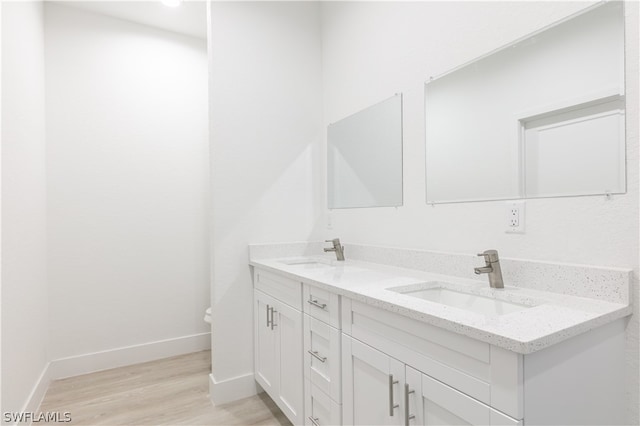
{"x": 337, "y": 247}
{"x": 492, "y": 268}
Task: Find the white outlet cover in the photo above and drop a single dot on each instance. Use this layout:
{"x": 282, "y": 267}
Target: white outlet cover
{"x": 515, "y": 217}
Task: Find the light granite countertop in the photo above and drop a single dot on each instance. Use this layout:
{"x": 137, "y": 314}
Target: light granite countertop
{"x": 548, "y": 318}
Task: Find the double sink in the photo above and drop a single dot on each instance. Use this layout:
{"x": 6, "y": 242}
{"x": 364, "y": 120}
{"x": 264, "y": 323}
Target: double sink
{"x": 492, "y": 302}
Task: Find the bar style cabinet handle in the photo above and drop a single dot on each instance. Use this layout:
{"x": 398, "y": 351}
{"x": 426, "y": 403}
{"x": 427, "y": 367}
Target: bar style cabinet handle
{"x": 392, "y": 406}
{"x": 407, "y": 416}
{"x": 273, "y": 323}
{"x": 268, "y": 320}
{"x": 314, "y": 420}
{"x": 316, "y": 356}
{"x": 316, "y": 304}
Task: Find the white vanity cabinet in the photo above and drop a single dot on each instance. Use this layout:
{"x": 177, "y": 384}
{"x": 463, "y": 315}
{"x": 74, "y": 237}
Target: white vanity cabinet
{"x": 327, "y": 359}
{"x": 278, "y": 341}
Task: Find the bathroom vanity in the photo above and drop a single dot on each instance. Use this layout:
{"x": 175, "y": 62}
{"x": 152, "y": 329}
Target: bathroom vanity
{"x": 357, "y": 342}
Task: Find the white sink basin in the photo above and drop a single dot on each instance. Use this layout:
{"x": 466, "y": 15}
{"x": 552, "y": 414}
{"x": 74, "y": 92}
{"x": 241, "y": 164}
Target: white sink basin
{"x": 300, "y": 262}
{"x": 467, "y": 301}
{"x": 307, "y": 263}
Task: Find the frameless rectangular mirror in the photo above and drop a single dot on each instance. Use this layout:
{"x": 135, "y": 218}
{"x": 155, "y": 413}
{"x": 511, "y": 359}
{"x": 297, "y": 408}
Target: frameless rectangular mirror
{"x": 365, "y": 157}
{"x": 542, "y": 117}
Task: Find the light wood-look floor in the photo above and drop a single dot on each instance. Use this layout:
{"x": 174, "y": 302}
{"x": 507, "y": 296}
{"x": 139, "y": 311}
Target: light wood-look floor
{"x": 172, "y": 391}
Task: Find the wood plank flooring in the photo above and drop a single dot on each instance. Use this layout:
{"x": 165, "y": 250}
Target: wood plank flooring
{"x": 172, "y": 391}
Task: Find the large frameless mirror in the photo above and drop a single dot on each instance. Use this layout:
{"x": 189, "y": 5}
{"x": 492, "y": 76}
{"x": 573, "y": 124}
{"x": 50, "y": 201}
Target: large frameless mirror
{"x": 365, "y": 157}
{"x": 542, "y": 117}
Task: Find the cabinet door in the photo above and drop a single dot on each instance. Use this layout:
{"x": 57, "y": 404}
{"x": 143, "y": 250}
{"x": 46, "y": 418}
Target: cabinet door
{"x": 371, "y": 385}
{"x": 432, "y": 402}
{"x": 265, "y": 343}
{"x": 288, "y": 326}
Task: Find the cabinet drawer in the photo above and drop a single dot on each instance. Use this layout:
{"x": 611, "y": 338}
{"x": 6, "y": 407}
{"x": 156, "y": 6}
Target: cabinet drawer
{"x": 284, "y": 289}
{"x": 322, "y": 304}
{"x": 319, "y": 408}
{"x": 322, "y": 356}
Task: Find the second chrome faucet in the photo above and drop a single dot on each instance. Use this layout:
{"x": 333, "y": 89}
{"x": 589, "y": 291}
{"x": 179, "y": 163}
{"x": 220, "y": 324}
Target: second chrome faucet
{"x": 492, "y": 268}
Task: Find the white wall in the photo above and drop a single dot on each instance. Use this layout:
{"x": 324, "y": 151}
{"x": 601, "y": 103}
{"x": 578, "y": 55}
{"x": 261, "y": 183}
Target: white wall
{"x": 127, "y": 181}
{"x": 372, "y": 50}
{"x": 266, "y": 126}
{"x": 24, "y": 273}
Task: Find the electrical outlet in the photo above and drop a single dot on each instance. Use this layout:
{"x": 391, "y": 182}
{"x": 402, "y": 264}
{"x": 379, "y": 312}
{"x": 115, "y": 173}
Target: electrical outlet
{"x": 515, "y": 217}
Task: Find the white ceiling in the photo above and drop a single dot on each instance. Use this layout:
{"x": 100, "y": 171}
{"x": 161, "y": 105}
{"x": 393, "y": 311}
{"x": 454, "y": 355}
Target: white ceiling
{"x": 190, "y": 18}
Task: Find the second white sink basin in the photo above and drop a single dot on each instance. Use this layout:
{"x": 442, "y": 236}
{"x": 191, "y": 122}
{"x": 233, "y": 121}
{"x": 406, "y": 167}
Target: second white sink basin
{"x": 470, "y": 302}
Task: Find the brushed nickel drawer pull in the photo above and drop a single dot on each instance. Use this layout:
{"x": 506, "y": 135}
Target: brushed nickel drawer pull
{"x": 316, "y": 356}
{"x": 317, "y": 304}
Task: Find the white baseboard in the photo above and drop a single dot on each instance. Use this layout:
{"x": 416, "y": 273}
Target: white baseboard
{"x": 39, "y": 390}
{"x": 120, "y": 357}
{"x": 222, "y": 392}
